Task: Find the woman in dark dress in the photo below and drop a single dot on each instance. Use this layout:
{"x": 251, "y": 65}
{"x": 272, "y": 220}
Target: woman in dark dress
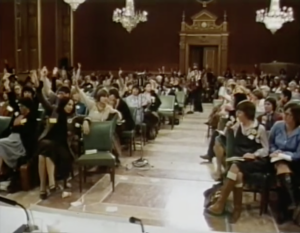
{"x": 54, "y": 154}
{"x": 119, "y": 104}
{"x": 251, "y": 148}
{"x": 21, "y": 135}
{"x": 151, "y": 117}
{"x": 198, "y": 97}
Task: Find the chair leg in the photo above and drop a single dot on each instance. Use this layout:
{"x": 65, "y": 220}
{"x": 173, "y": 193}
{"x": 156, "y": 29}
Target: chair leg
{"x": 72, "y": 173}
{"x": 133, "y": 143}
{"x": 254, "y": 196}
{"x": 65, "y": 183}
{"x": 112, "y": 178}
{"x": 84, "y": 174}
{"x": 130, "y": 146}
{"x": 80, "y": 178}
{"x": 173, "y": 121}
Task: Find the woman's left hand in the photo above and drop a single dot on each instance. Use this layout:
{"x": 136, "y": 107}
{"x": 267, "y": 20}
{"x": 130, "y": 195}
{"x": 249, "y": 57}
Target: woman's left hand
{"x": 18, "y": 120}
{"x": 249, "y": 156}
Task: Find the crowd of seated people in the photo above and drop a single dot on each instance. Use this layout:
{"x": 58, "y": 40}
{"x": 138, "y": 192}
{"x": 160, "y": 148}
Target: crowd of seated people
{"x": 50, "y": 111}
{"x": 263, "y": 116}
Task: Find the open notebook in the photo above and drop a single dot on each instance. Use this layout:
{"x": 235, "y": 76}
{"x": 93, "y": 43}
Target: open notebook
{"x": 280, "y": 157}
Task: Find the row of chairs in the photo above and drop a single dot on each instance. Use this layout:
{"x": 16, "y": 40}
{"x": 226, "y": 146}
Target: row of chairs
{"x": 98, "y": 144}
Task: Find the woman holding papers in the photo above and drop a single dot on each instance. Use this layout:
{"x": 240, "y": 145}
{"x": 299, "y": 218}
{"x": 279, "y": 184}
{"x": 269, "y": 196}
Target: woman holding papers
{"x": 285, "y": 152}
{"x": 250, "y": 153}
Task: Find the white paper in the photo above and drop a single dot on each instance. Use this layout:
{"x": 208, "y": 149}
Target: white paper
{"x": 235, "y": 159}
{"x": 111, "y": 209}
{"x": 76, "y": 203}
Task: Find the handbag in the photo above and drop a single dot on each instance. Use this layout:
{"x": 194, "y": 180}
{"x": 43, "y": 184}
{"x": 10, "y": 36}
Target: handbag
{"x": 212, "y": 194}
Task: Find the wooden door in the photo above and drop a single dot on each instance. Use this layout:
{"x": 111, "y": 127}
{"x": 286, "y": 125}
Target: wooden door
{"x": 210, "y": 58}
{"x": 196, "y": 56}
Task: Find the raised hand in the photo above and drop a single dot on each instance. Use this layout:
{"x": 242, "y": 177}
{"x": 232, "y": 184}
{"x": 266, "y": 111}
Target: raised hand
{"x": 55, "y": 71}
{"x": 44, "y": 71}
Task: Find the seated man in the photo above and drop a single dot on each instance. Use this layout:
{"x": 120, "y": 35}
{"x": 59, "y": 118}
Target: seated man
{"x": 250, "y": 150}
{"x": 270, "y": 116}
{"x": 285, "y": 97}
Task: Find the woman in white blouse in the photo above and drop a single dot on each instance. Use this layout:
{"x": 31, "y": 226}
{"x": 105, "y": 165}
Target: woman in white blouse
{"x": 257, "y": 97}
{"x": 99, "y": 110}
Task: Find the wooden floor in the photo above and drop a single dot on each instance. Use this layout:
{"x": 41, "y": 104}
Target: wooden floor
{"x": 168, "y": 193}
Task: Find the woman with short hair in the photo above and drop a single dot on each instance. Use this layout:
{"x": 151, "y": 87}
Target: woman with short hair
{"x": 285, "y": 153}
{"x": 250, "y": 150}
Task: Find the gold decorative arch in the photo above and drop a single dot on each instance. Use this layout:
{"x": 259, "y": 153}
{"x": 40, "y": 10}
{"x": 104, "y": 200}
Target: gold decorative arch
{"x": 204, "y": 31}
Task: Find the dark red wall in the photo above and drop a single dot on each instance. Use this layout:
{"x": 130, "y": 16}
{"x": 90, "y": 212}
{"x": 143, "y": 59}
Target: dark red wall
{"x": 7, "y": 27}
{"x": 49, "y": 33}
{"x": 101, "y": 44}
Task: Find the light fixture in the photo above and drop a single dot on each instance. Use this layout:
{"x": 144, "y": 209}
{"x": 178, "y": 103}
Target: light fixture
{"x": 128, "y": 17}
{"x": 74, "y": 3}
{"x": 275, "y": 16}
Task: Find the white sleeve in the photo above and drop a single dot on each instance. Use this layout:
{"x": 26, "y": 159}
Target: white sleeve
{"x": 222, "y": 92}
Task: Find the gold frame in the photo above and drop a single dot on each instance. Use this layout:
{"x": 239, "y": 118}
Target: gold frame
{"x": 204, "y": 31}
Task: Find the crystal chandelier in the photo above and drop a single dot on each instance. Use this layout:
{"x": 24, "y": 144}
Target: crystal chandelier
{"x": 128, "y": 17}
{"x": 74, "y": 3}
{"x": 275, "y": 17}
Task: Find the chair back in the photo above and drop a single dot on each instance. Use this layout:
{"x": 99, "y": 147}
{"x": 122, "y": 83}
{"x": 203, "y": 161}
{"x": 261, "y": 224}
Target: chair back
{"x": 296, "y": 101}
{"x": 100, "y": 137}
{"x": 257, "y": 114}
{"x": 274, "y": 95}
{"x": 217, "y": 102}
{"x": 41, "y": 113}
{"x": 133, "y": 112}
{"x": 222, "y": 123}
{"x": 114, "y": 119}
{"x": 229, "y": 143}
{"x": 167, "y": 103}
{"x": 4, "y": 123}
{"x": 180, "y": 96}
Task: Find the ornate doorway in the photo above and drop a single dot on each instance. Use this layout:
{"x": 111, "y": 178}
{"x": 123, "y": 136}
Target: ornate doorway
{"x": 204, "y": 42}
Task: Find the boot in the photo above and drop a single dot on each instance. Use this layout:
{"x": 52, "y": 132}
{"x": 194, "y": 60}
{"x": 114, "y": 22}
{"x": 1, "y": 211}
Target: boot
{"x": 237, "y": 204}
{"x": 218, "y": 207}
{"x": 286, "y": 182}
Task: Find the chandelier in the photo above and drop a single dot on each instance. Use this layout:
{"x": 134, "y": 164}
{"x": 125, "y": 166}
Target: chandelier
{"x": 275, "y": 17}
{"x": 128, "y": 17}
{"x": 74, "y": 3}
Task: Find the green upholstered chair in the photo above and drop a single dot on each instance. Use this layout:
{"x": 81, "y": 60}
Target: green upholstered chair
{"x": 167, "y": 107}
{"x": 222, "y": 123}
{"x": 98, "y": 145}
{"x": 229, "y": 143}
{"x": 295, "y": 101}
{"x": 274, "y": 95}
{"x": 4, "y": 123}
{"x": 129, "y": 135}
{"x": 181, "y": 97}
{"x": 257, "y": 114}
{"x": 41, "y": 113}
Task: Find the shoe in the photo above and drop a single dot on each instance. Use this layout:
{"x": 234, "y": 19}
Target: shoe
{"x": 219, "y": 206}
{"x": 237, "y": 204}
{"x": 206, "y": 157}
{"x": 52, "y": 189}
{"x": 286, "y": 182}
{"x": 43, "y": 195}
